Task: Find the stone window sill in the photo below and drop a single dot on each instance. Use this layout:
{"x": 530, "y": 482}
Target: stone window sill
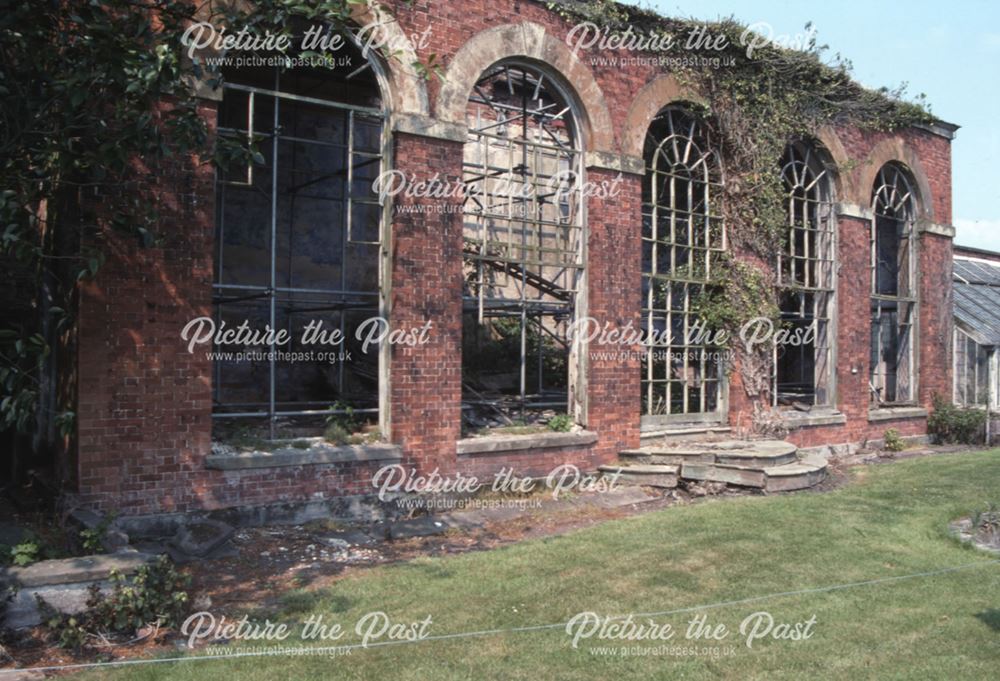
{"x": 894, "y": 413}
{"x": 316, "y": 455}
{"x": 817, "y": 417}
{"x": 513, "y": 443}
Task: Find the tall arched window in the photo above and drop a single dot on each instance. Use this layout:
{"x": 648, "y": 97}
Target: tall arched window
{"x": 298, "y": 235}
{"x": 807, "y": 276}
{"x": 683, "y": 235}
{"x": 894, "y": 297}
{"x": 524, "y": 242}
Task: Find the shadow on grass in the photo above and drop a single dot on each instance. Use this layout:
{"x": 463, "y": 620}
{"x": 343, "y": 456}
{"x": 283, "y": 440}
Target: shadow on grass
{"x": 301, "y": 602}
{"x": 990, "y": 618}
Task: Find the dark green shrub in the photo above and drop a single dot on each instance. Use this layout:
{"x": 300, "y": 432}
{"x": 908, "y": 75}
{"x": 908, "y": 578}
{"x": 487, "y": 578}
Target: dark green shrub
{"x": 893, "y": 441}
{"x": 955, "y": 425}
{"x": 67, "y": 631}
{"x": 156, "y": 594}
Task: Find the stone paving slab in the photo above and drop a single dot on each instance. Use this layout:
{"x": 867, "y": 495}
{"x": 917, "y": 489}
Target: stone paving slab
{"x": 22, "y": 611}
{"x": 69, "y": 570}
{"x": 349, "y": 537}
{"x": 424, "y": 526}
{"x": 201, "y": 537}
{"x": 626, "y": 496}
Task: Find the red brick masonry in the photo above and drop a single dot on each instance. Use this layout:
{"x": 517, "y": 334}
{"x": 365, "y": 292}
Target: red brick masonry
{"x": 144, "y": 404}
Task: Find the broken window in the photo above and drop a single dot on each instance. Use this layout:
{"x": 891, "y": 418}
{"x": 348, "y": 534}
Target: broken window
{"x": 298, "y": 235}
{"x": 523, "y": 250}
{"x": 893, "y": 299}
{"x": 683, "y": 236}
{"x": 803, "y": 365}
{"x": 972, "y": 371}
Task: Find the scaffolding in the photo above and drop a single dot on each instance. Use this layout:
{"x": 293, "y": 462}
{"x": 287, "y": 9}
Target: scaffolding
{"x": 298, "y": 241}
{"x": 523, "y": 248}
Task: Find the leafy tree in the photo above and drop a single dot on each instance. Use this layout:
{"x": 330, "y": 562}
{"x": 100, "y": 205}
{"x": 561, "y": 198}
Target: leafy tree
{"x": 94, "y": 96}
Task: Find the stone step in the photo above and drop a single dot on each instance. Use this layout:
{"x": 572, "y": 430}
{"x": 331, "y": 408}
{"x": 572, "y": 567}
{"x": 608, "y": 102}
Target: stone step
{"x": 684, "y": 434}
{"x": 729, "y": 474}
{"x": 755, "y": 454}
{"x": 666, "y": 456}
{"x": 801, "y": 475}
{"x": 758, "y": 454}
{"x": 651, "y": 475}
{"x": 783, "y": 478}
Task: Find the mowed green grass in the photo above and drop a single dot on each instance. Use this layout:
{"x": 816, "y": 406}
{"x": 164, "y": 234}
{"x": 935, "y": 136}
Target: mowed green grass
{"x": 889, "y": 522}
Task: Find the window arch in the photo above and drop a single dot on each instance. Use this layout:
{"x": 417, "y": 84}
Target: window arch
{"x": 523, "y": 249}
{"x": 803, "y": 374}
{"x": 893, "y": 293}
{"x": 683, "y": 236}
{"x": 298, "y": 237}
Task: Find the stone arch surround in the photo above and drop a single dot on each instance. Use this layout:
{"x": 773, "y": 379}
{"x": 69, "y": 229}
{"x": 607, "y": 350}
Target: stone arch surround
{"x": 530, "y": 42}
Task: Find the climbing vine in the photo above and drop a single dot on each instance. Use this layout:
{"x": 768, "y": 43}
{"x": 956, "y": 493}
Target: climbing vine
{"x": 758, "y": 101}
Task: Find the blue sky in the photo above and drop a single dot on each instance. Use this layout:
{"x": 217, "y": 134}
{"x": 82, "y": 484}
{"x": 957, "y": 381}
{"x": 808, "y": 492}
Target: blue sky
{"x": 950, "y": 52}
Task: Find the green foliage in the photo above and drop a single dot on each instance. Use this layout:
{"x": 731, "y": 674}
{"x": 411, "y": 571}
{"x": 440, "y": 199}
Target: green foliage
{"x": 156, "y": 594}
{"x": 561, "y": 423}
{"x": 67, "y": 631}
{"x": 92, "y": 95}
{"x": 756, "y": 104}
{"x": 893, "y": 441}
{"x": 341, "y": 423}
{"x": 753, "y": 104}
{"x": 342, "y": 414}
{"x": 31, "y": 549}
{"x": 954, "y": 425}
{"x": 92, "y": 538}
{"x": 743, "y": 292}
{"x": 26, "y": 553}
{"x": 96, "y": 99}
{"x": 337, "y": 434}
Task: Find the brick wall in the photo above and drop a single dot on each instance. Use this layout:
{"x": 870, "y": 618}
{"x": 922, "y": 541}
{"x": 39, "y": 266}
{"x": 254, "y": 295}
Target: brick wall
{"x": 426, "y": 381}
{"x": 144, "y": 401}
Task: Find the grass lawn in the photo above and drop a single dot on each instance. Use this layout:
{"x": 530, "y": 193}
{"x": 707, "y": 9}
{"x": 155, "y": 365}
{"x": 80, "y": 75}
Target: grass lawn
{"x": 891, "y": 521}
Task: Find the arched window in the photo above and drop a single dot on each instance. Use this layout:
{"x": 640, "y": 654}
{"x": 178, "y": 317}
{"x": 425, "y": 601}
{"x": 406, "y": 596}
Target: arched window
{"x": 683, "y": 235}
{"x": 298, "y": 235}
{"x": 807, "y": 274}
{"x": 523, "y": 249}
{"x": 893, "y": 298}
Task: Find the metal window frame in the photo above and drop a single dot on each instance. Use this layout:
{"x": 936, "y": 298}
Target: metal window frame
{"x": 894, "y": 198}
{"x": 982, "y": 378}
{"x": 811, "y": 214}
{"x": 272, "y": 410}
{"x": 689, "y": 163}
